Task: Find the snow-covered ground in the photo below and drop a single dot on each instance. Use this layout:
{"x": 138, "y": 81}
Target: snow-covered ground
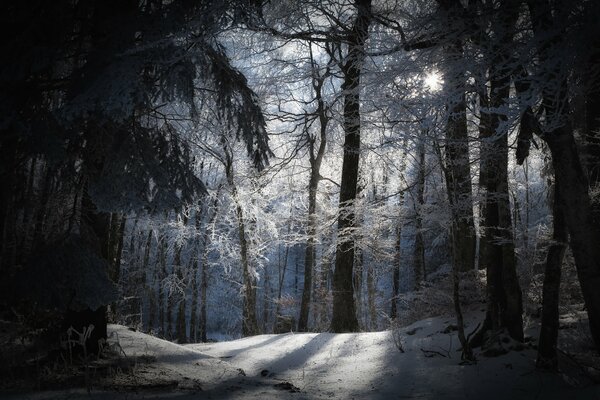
{"x": 328, "y": 366}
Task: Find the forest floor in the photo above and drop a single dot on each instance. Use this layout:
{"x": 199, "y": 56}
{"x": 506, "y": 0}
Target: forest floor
{"x": 328, "y": 366}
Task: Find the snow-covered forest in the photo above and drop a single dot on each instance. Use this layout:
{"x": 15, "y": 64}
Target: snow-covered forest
{"x": 207, "y": 171}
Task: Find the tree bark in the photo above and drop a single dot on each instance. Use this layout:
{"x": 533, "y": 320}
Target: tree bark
{"x": 344, "y": 311}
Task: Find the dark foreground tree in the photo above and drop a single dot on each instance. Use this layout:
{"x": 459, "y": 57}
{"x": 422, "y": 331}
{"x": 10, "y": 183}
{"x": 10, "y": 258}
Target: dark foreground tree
{"x": 85, "y": 100}
{"x": 572, "y": 197}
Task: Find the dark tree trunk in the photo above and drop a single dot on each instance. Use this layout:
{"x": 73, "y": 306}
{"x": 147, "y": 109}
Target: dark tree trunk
{"x": 572, "y": 197}
{"x": 372, "y": 296}
{"x": 322, "y": 296}
{"x": 161, "y": 275}
{"x": 344, "y": 311}
{"x": 504, "y": 305}
{"x": 95, "y": 231}
{"x": 281, "y": 269}
{"x": 115, "y": 251}
{"x": 573, "y": 200}
{"x": 419, "y": 251}
{"x": 149, "y": 290}
{"x": 458, "y": 178}
{"x": 467, "y": 352}
{"x": 547, "y": 357}
{"x": 357, "y": 282}
{"x": 592, "y": 128}
{"x": 497, "y": 252}
{"x": 396, "y": 265}
{"x": 203, "y": 294}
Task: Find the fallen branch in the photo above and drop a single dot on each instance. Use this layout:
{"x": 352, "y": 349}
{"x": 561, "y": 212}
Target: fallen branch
{"x": 432, "y": 353}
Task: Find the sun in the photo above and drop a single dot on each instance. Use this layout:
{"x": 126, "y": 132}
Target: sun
{"x": 433, "y": 81}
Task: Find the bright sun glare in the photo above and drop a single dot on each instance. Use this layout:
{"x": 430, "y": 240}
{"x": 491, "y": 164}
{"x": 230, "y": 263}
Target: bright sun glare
{"x": 433, "y": 81}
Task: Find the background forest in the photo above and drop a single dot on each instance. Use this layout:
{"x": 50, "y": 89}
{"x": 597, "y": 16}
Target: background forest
{"x": 205, "y": 170}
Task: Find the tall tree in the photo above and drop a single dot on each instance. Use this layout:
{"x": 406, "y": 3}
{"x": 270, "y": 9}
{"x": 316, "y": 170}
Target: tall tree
{"x": 419, "y": 201}
{"x": 96, "y": 99}
{"x": 572, "y": 197}
{"x": 344, "y": 311}
{"x": 316, "y": 152}
{"x": 497, "y": 254}
{"x": 457, "y": 139}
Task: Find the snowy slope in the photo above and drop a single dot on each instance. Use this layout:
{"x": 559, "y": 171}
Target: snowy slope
{"x": 369, "y": 365}
{"x": 326, "y": 366}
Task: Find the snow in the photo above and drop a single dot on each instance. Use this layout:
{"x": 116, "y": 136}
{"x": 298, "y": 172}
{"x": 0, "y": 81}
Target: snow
{"x": 328, "y": 366}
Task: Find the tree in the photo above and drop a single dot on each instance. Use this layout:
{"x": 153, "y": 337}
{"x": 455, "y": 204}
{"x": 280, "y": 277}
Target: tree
{"x": 316, "y": 159}
{"x": 101, "y": 99}
{"x": 344, "y": 314}
{"x": 458, "y": 178}
{"x": 504, "y": 305}
{"x": 572, "y": 196}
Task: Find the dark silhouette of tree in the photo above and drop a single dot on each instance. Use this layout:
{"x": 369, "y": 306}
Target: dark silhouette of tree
{"x": 89, "y": 94}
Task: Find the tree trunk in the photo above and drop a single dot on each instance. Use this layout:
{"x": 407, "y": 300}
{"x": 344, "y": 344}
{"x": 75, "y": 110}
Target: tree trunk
{"x": 149, "y": 289}
{"x": 195, "y": 271}
{"x": 162, "y": 274}
{"x": 497, "y": 251}
{"x": 547, "y": 357}
{"x": 572, "y": 198}
{"x": 249, "y": 321}
{"x": 344, "y": 314}
{"x": 95, "y": 231}
{"x": 419, "y": 251}
{"x": 372, "y": 297}
{"x": 114, "y": 251}
{"x": 313, "y": 186}
{"x": 357, "y": 282}
{"x": 467, "y": 352}
{"x": 281, "y": 269}
{"x": 504, "y": 305}
{"x": 180, "y": 299}
{"x": 458, "y": 178}
{"x": 323, "y": 288}
{"x": 309, "y": 255}
{"x": 266, "y": 301}
{"x": 592, "y": 128}
{"x": 397, "y": 264}
{"x": 204, "y": 273}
